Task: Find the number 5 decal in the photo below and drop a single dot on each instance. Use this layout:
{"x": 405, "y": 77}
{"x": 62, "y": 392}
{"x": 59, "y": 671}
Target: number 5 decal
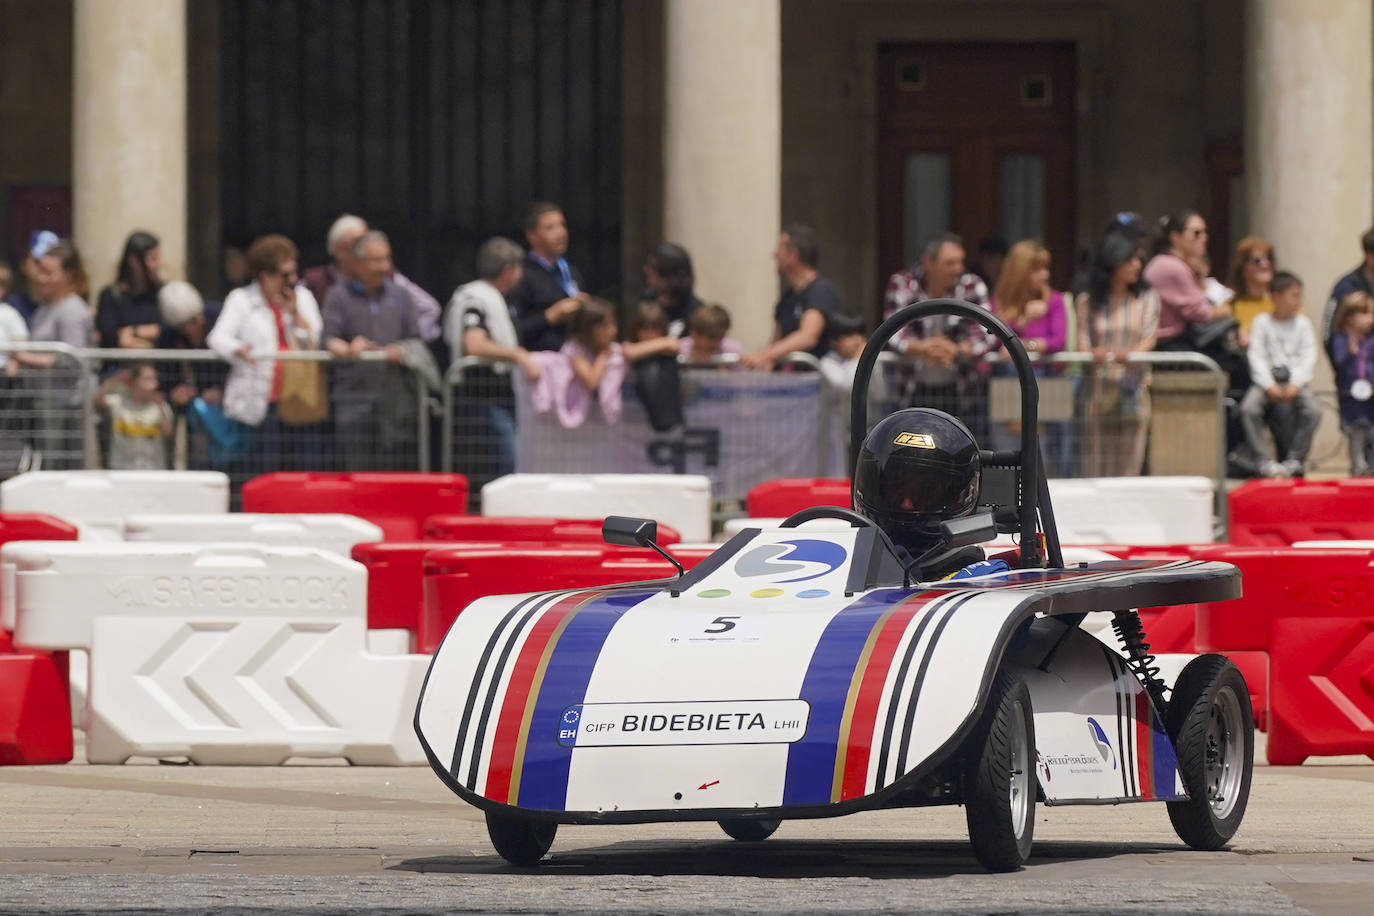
{"x": 725, "y": 624}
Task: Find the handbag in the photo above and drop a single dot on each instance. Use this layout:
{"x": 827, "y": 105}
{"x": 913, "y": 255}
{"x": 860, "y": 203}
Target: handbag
{"x": 227, "y": 439}
{"x": 304, "y": 398}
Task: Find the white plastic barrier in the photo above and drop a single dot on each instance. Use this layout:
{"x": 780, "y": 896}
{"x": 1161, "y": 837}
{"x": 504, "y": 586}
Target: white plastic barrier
{"x": 98, "y": 501}
{"x": 682, "y": 501}
{"x": 335, "y": 533}
{"x": 58, "y": 594}
{"x": 1133, "y": 510}
{"x": 1107, "y": 510}
{"x": 249, "y": 690}
{"x": 1330, "y": 545}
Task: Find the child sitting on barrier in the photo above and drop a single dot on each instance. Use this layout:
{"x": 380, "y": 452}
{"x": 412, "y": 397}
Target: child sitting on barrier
{"x": 1283, "y": 358}
{"x": 140, "y": 420}
{"x": 705, "y": 338}
{"x": 589, "y": 366}
{"x": 1351, "y": 355}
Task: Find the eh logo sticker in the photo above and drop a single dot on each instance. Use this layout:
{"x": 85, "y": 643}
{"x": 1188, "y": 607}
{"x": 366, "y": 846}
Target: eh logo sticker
{"x": 915, "y": 440}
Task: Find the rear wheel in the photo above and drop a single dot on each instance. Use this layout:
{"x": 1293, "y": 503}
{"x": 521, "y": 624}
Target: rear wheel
{"x": 1213, "y": 729}
{"x": 520, "y": 840}
{"x": 749, "y": 830}
{"x": 999, "y": 786}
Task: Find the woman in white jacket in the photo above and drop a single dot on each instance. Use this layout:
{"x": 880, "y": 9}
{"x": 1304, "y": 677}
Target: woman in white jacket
{"x": 272, "y": 313}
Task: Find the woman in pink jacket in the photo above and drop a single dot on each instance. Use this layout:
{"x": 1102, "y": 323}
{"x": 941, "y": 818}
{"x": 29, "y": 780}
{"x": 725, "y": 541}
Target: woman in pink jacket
{"x": 1182, "y": 300}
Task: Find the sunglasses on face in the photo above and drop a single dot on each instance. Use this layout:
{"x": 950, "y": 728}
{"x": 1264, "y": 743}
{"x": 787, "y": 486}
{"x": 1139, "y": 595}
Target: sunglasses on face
{"x": 1259, "y": 260}
{"x": 1195, "y": 233}
{"x": 289, "y": 277}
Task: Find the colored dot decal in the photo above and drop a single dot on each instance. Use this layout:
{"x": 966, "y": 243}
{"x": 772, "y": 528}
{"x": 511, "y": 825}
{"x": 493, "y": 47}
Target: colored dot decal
{"x": 766, "y": 593}
{"x": 814, "y": 593}
{"x": 714, "y": 593}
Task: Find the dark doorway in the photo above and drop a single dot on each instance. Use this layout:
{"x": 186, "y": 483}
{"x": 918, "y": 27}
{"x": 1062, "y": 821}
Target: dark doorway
{"x": 976, "y": 139}
{"x": 437, "y": 120}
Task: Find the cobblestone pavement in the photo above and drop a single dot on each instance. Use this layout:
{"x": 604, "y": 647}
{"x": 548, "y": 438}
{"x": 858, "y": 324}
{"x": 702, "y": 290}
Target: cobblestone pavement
{"x": 177, "y": 839}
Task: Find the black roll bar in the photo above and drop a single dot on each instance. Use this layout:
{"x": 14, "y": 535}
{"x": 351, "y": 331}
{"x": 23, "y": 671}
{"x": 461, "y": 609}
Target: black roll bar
{"x": 1035, "y": 491}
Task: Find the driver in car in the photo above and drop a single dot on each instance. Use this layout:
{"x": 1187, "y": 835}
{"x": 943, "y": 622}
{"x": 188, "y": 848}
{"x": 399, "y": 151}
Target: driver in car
{"x": 920, "y": 467}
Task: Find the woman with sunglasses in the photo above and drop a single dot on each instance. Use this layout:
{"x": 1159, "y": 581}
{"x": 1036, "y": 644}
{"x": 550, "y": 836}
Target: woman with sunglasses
{"x": 273, "y": 312}
{"x": 1182, "y": 297}
{"x": 1252, "y": 268}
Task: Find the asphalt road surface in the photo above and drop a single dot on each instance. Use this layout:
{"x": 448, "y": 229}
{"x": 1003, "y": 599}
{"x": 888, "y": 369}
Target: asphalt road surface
{"x": 312, "y": 839}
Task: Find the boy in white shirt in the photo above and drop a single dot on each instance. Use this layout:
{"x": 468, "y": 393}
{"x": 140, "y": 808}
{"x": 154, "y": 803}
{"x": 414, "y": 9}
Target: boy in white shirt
{"x": 1283, "y": 357}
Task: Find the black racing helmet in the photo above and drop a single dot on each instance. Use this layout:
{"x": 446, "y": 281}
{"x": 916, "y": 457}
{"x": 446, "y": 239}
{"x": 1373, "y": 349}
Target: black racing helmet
{"x": 918, "y": 467}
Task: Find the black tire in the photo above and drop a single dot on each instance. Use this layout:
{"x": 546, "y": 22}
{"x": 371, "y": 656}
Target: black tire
{"x": 749, "y": 830}
{"x": 1212, "y": 726}
{"x": 519, "y": 840}
{"x": 999, "y": 777}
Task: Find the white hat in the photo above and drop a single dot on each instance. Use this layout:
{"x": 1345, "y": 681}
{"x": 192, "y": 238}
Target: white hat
{"x": 179, "y": 302}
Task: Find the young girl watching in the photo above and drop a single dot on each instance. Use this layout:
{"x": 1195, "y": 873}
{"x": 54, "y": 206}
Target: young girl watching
{"x": 1351, "y": 355}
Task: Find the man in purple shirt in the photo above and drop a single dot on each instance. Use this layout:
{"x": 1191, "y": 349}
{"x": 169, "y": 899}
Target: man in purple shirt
{"x": 374, "y": 405}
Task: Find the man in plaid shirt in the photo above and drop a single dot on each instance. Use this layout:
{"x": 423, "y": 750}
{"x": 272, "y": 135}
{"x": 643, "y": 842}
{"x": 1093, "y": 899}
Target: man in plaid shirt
{"x": 947, "y": 351}
{"x": 940, "y": 274}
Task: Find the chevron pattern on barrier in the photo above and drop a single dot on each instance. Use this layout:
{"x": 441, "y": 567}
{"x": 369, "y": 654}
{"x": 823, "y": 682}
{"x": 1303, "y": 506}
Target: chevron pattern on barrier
{"x": 248, "y": 691}
{"x": 1322, "y": 698}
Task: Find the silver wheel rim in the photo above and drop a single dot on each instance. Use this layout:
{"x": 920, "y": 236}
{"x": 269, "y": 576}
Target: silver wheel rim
{"x": 1224, "y": 753}
{"x": 1019, "y": 794}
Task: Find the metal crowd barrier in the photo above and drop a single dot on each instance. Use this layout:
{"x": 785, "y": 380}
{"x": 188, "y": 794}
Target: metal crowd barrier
{"x": 1157, "y": 413}
{"x": 49, "y": 419}
{"x": 737, "y": 427}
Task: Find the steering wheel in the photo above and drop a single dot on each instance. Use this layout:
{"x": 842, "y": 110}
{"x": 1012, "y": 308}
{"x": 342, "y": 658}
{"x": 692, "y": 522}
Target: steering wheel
{"x": 815, "y": 512}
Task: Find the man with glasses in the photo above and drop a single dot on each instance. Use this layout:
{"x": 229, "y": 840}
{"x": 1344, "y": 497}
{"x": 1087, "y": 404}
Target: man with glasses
{"x": 374, "y": 405}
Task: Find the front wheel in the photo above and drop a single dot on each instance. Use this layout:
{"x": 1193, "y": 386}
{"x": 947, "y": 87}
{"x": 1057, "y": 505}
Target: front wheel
{"x": 999, "y": 788}
{"x": 520, "y": 840}
{"x": 749, "y": 830}
{"x": 1213, "y": 729}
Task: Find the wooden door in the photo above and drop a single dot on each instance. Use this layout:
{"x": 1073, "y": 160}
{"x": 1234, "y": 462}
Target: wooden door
{"x": 976, "y": 139}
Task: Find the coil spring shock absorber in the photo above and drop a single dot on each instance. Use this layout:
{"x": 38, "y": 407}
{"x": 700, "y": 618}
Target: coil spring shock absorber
{"x": 1131, "y": 631}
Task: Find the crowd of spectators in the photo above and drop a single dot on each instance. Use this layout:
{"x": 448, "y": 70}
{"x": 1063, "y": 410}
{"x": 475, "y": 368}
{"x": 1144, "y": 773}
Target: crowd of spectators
{"x": 529, "y": 315}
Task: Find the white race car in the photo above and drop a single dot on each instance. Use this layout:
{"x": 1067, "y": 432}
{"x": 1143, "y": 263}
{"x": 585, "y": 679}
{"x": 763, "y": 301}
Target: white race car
{"x": 801, "y": 673}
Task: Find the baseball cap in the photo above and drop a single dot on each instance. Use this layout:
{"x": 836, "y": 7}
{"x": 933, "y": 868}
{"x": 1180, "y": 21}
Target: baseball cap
{"x": 41, "y": 241}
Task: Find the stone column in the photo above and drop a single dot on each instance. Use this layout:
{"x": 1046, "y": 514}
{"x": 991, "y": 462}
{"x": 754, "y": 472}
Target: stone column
{"x": 1309, "y": 139}
{"x": 129, "y": 130}
{"x": 722, "y": 152}
{"x": 1309, "y": 148}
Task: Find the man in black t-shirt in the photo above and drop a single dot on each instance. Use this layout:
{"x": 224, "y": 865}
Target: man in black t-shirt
{"x": 801, "y": 315}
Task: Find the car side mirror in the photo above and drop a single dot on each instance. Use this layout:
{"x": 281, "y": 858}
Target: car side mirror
{"x": 970, "y": 530}
{"x": 622, "y": 531}
{"x": 629, "y": 532}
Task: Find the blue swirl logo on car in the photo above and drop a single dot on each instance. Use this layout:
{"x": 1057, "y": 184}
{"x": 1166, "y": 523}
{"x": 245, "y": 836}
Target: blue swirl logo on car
{"x": 1104, "y": 746}
{"x": 812, "y": 558}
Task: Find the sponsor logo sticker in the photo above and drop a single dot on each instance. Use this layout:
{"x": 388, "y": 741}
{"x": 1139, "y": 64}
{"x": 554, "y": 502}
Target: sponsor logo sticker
{"x": 798, "y": 559}
{"x": 914, "y": 440}
{"x": 1104, "y": 745}
{"x": 699, "y": 722}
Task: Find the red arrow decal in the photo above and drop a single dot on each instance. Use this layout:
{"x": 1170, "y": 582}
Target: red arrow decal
{"x": 707, "y": 785}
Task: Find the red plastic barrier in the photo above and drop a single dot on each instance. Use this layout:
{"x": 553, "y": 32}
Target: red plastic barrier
{"x": 512, "y": 530}
{"x": 395, "y": 596}
{"x": 1323, "y": 689}
{"x": 781, "y": 498}
{"x": 30, "y": 526}
{"x": 455, "y": 577}
{"x": 1278, "y": 512}
{"x": 397, "y": 502}
{"x": 35, "y": 714}
{"x": 1283, "y": 582}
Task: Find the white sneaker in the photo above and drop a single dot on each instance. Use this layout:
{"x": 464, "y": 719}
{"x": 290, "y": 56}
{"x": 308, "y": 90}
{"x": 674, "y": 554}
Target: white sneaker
{"x": 1294, "y": 467}
{"x": 1274, "y": 469}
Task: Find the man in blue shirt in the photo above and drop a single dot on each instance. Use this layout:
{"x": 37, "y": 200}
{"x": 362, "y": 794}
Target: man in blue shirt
{"x": 550, "y": 290}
